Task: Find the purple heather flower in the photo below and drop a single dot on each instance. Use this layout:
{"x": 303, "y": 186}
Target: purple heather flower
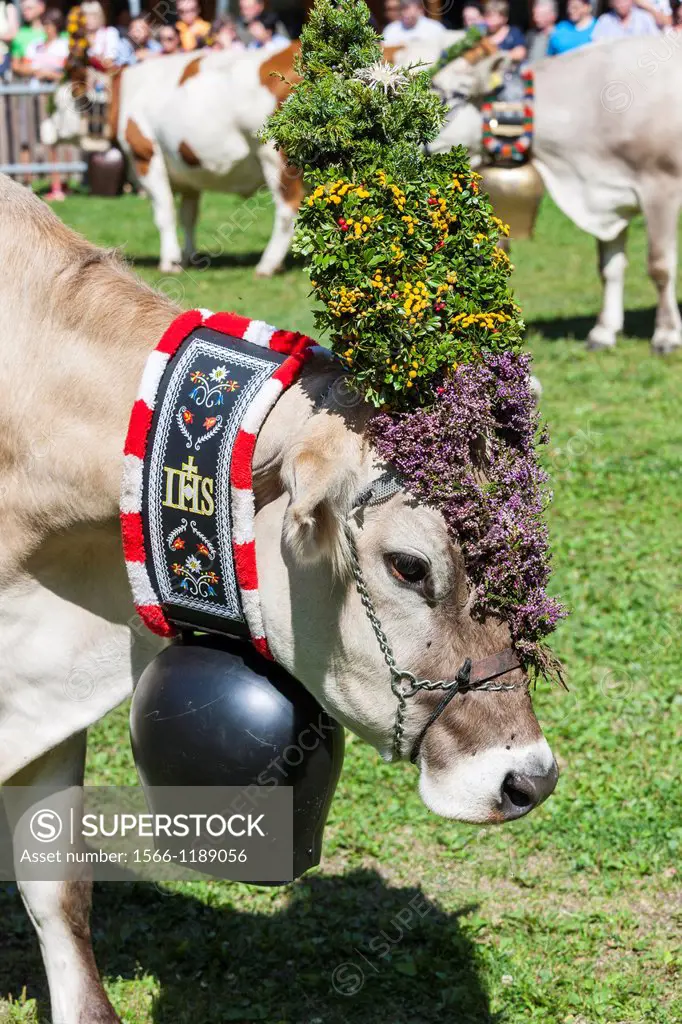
{"x": 473, "y": 456}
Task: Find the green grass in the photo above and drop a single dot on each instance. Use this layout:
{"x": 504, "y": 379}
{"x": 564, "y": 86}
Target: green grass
{"x": 571, "y": 916}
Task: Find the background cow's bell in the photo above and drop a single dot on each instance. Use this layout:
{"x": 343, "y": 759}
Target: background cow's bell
{"x": 212, "y": 712}
{"x": 515, "y": 193}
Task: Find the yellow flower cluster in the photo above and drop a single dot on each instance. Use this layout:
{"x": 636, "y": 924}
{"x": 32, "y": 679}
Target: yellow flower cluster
{"x": 488, "y": 320}
{"x": 441, "y": 218}
{"x": 398, "y": 253}
{"x": 501, "y": 226}
{"x": 410, "y": 221}
{"x": 363, "y": 224}
{"x": 336, "y": 191}
{"x": 500, "y": 256}
{"x": 416, "y": 300}
{"x": 411, "y": 366}
{"x": 346, "y": 301}
{"x": 399, "y": 197}
{"x": 384, "y": 284}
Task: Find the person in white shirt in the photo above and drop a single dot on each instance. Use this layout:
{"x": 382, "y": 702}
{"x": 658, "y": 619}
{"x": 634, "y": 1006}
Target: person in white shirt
{"x": 103, "y": 41}
{"x": 412, "y": 25}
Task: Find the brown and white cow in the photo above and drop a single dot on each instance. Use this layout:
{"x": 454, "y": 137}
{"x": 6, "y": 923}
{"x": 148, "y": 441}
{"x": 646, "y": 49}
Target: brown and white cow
{"x": 189, "y": 123}
{"x": 75, "y": 332}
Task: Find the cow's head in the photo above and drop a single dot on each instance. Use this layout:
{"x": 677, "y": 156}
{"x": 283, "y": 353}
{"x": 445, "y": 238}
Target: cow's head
{"x": 463, "y": 85}
{"x": 484, "y": 759}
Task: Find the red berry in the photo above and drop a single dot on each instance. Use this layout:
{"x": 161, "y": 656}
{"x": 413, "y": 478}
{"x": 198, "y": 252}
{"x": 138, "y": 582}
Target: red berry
{"x": 433, "y": 202}
{"x": 395, "y": 295}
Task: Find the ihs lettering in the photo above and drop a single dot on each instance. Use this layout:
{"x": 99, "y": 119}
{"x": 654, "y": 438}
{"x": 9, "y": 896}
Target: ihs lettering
{"x": 187, "y": 490}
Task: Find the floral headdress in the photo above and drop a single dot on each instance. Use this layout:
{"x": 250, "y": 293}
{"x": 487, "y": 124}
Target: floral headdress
{"x": 78, "y": 40}
{"x": 402, "y": 252}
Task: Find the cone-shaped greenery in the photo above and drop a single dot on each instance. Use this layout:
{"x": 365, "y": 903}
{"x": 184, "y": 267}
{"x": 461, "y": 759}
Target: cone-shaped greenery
{"x": 400, "y": 246}
{"x": 402, "y": 252}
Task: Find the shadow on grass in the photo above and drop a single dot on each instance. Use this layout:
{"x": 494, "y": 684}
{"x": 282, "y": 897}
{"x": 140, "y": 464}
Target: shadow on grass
{"x": 345, "y": 950}
{"x": 639, "y": 323}
{"x": 220, "y": 261}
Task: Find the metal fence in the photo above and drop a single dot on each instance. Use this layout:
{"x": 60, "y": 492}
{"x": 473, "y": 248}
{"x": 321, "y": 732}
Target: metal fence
{"x": 23, "y": 107}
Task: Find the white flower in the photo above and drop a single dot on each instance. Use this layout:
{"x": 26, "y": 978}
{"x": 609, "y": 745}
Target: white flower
{"x": 193, "y": 564}
{"x": 382, "y": 74}
{"x": 220, "y": 373}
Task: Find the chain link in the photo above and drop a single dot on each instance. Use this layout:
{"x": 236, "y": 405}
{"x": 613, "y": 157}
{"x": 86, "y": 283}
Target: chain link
{"x": 405, "y": 684}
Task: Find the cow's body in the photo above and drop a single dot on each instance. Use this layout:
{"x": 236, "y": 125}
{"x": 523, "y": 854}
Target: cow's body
{"x": 608, "y": 145}
{"x": 189, "y": 123}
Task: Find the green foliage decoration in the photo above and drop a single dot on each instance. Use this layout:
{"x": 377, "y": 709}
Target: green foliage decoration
{"x": 400, "y": 246}
{"x": 470, "y": 39}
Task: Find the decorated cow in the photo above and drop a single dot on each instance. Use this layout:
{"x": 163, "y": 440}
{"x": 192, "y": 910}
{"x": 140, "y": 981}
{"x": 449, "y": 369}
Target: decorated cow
{"x": 381, "y": 517}
{"x": 605, "y": 141}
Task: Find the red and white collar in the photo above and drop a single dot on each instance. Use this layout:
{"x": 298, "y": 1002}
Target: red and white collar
{"x": 141, "y": 525}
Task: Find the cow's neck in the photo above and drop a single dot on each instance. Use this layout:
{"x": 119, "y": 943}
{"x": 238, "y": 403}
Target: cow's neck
{"x": 80, "y": 331}
{"x": 287, "y": 419}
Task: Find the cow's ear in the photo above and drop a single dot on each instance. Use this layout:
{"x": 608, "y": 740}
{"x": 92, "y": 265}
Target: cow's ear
{"x": 321, "y": 474}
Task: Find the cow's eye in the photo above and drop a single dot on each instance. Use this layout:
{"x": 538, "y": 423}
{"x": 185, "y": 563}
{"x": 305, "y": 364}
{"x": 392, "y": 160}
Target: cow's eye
{"x": 410, "y": 569}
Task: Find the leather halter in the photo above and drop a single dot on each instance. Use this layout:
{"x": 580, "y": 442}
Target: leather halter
{"x": 478, "y": 675}
{"x": 471, "y": 676}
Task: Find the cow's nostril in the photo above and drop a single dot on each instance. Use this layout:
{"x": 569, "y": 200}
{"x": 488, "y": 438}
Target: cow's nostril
{"x": 519, "y": 791}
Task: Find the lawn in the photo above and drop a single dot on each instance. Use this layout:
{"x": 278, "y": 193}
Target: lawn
{"x": 570, "y": 916}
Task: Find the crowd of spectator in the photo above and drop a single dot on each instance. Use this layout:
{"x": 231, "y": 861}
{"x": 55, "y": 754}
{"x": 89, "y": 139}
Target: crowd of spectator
{"x": 406, "y": 21}
{"x": 35, "y": 45}
{"x": 36, "y": 48}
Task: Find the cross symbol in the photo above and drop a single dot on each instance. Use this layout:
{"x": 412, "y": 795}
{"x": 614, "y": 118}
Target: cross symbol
{"x": 188, "y": 467}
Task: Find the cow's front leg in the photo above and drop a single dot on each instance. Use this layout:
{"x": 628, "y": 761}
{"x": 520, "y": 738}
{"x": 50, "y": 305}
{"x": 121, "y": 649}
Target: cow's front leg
{"x": 612, "y": 264}
{"x": 157, "y": 183}
{"x": 285, "y": 183}
{"x": 60, "y": 911}
{"x": 189, "y": 212}
{"x": 662, "y": 215}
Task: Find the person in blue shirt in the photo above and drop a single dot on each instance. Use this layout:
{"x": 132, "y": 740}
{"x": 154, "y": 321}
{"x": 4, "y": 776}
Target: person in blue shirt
{"x": 569, "y": 35}
{"x": 505, "y": 36}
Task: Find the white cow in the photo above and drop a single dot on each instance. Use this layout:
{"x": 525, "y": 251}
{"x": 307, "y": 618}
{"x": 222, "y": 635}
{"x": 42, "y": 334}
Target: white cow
{"x": 75, "y": 333}
{"x": 608, "y": 144}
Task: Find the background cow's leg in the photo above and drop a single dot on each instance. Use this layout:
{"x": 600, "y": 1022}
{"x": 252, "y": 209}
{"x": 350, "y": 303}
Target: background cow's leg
{"x": 189, "y": 212}
{"x": 287, "y": 191}
{"x": 612, "y": 264}
{"x": 662, "y": 214}
{"x": 157, "y": 183}
{"x": 60, "y": 911}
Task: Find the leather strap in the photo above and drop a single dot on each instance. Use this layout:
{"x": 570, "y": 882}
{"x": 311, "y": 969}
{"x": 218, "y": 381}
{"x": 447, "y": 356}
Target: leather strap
{"x": 485, "y": 669}
{"x": 470, "y": 676}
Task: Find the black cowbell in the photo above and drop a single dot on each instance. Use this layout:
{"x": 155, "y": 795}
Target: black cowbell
{"x": 211, "y": 711}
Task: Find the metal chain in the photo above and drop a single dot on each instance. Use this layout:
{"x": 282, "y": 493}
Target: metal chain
{"x": 405, "y": 684}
